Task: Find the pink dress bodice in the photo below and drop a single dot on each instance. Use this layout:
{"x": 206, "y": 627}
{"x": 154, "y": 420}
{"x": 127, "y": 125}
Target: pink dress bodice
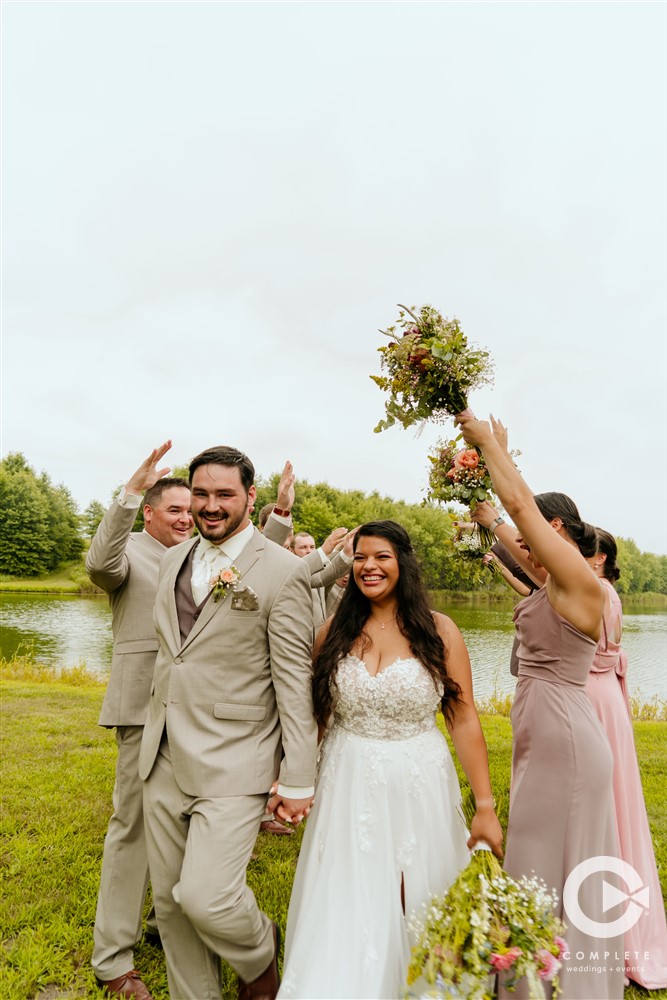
{"x": 550, "y": 648}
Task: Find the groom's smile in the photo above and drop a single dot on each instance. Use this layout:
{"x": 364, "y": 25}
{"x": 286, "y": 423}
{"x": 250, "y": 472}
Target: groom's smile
{"x": 220, "y": 504}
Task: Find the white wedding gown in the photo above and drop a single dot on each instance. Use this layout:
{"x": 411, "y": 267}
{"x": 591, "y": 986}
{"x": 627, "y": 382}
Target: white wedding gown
{"x": 386, "y": 810}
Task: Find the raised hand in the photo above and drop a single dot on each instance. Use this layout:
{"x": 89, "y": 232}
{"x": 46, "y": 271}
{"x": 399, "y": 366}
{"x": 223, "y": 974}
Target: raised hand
{"x": 334, "y": 540}
{"x": 484, "y": 514}
{"x": 148, "y": 473}
{"x": 475, "y": 432}
{"x": 285, "y": 498}
{"x": 499, "y": 432}
{"x": 349, "y": 540}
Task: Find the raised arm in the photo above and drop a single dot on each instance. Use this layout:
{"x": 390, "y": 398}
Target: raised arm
{"x": 339, "y": 565}
{"x": 572, "y": 588}
{"x": 278, "y": 527}
{"x": 490, "y": 558}
{"x": 107, "y": 564}
{"x": 487, "y": 516}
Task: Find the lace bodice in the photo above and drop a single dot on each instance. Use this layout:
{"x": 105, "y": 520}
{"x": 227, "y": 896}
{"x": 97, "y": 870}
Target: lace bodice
{"x": 398, "y": 703}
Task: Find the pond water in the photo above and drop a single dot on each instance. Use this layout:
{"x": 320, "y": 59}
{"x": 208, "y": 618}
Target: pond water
{"x": 64, "y": 631}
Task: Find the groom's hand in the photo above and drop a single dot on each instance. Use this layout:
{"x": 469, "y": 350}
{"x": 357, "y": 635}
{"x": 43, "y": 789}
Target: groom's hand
{"x": 289, "y": 810}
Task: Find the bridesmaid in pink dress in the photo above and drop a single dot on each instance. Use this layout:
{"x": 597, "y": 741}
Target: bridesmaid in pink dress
{"x": 561, "y": 799}
{"x": 646, "y": 943}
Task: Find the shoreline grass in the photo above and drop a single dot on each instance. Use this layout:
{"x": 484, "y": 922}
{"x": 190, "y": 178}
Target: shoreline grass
{"x": 71, "y": 580}
{"x": 57, "y": 779}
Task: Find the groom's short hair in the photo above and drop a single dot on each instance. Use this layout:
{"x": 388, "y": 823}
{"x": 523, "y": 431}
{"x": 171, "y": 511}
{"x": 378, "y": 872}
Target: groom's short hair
{"x": 224, "y": 455}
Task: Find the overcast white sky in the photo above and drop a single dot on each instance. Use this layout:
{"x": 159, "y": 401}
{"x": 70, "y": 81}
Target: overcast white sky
{"x": 210, "y": 208}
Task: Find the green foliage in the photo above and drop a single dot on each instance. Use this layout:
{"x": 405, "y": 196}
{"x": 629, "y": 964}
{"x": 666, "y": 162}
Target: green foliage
{"x": 641, "y": 572}
{"x": 39, "y": 527}
{"x": 91, "y": 517}
{"x": 319, "y": 508}
{"x": 24, "y": 530}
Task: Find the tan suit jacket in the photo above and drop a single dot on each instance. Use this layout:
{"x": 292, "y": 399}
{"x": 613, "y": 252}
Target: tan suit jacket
{"x": 126, "y": 565}
{"x": 236, "y": 693}
{"x": 323, "y": 576}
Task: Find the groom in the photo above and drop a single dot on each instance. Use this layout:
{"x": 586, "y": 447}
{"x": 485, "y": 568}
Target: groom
{"x": 230, "y": 709}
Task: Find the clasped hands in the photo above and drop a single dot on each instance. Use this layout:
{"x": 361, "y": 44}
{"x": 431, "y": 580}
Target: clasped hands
{"x": 288, "y": 810}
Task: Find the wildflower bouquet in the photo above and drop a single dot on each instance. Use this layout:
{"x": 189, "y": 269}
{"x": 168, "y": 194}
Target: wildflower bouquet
{"x": 430, "y": 368}
{"x": 459, "y": 475}
{"x": 486, "y": 923}
{"x": 466, "y": 541}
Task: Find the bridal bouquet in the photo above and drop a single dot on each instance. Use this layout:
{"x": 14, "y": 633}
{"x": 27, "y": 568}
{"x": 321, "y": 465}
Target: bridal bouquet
{"x": 459, "y": 475}
{"x": 486, "y": 923}
{"x": 467, "y": 543}
{"x": 430, "y": 368}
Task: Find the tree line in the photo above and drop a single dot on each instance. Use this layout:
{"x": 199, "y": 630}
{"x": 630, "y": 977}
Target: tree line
{"x": 42, "y": 527}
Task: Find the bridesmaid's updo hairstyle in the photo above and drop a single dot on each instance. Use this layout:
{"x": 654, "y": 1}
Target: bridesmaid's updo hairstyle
{"x": 414, "y": 618}
{"x": 607, "y": 546}
{"x": 559, "y": 505}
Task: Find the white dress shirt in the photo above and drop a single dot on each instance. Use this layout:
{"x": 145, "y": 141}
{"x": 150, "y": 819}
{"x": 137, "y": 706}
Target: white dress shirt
{"x": 210, "y": 558}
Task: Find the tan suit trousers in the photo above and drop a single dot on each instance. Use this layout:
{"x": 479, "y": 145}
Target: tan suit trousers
{"x": 124, "y": 878}
{"x": 199, "y": 849}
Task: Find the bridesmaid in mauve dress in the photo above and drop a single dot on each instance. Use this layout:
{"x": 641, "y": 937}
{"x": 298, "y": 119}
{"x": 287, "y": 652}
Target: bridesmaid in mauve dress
{"x": 561, "y": 801}
{"x": 646, "y": 942}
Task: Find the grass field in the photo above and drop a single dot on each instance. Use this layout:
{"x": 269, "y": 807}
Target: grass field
{"x": 57, "y": 778}
{"x": 69, "y": 578}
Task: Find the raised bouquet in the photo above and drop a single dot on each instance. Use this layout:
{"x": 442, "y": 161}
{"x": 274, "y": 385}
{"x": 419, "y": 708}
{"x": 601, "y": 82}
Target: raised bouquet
{"x": 486, "y": 923}
{"x": 467, "y": 542}
{"x": 430, "y": 368}
{"x": 459, "y": 475}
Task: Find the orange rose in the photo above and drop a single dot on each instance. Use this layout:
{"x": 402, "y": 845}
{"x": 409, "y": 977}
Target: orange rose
{"x": 466, "y": 459}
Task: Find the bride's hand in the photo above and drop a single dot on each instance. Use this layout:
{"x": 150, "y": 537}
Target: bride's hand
{"x": 486, "y": 826}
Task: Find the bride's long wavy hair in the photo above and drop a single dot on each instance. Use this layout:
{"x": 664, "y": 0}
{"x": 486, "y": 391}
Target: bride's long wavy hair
{"x": 413, "y": 617}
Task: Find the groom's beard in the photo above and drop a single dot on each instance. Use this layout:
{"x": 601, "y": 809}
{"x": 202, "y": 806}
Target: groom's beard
{"x": 218, "y": 527}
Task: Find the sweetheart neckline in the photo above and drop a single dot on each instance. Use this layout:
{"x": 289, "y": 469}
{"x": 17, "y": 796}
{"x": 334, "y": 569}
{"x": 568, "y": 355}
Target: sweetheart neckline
{"x": 399, "y": 659}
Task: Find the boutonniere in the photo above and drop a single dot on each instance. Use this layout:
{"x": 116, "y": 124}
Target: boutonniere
{"x": 223, "y": 582}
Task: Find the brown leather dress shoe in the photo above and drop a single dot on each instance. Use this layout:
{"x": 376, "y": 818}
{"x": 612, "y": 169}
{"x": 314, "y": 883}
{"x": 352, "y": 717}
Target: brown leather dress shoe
{"x": 266, "y": 986}
{"x": 129, "y": 985}
{"x": 275, "y": 826}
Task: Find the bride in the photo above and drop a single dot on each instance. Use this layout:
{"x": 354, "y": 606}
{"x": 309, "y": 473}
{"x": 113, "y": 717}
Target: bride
{"x": 385, "y": 832}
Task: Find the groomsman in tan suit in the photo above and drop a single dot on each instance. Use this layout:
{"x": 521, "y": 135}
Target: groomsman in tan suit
{"x": 126, "y": 564}
{"x": 231, "y": 695}
{"x": 327, "y": 563}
